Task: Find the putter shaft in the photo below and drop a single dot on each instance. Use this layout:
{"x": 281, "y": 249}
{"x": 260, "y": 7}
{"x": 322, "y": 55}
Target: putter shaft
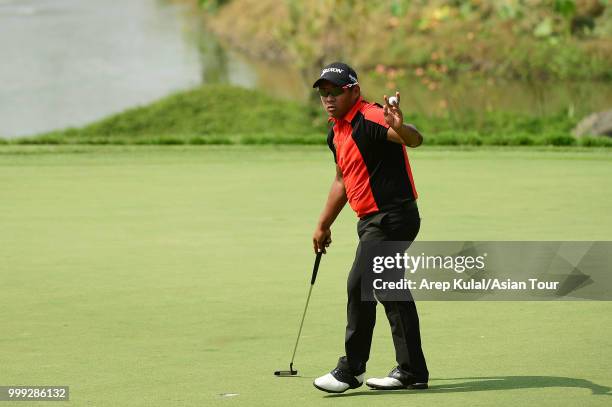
{"x": 315, "y": 269}
{"x": 301, "y": 324}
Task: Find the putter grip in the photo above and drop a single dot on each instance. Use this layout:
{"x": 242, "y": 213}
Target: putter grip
{"x": 315, "y": 269}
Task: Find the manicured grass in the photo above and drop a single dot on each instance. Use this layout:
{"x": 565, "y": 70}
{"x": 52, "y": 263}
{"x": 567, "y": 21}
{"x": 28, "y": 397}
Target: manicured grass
{"x": 169, "y": 275}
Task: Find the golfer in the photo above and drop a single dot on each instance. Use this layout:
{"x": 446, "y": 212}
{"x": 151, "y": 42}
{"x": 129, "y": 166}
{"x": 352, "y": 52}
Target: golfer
{"x": 373, "y": 175}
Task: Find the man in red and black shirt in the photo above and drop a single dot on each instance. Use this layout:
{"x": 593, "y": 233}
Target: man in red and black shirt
{"x": 373, "y": 175}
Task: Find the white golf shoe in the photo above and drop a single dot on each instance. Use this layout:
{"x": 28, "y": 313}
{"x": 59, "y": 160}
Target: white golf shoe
{"x": 338, "y": 381}
{"x": 396, "y": 380}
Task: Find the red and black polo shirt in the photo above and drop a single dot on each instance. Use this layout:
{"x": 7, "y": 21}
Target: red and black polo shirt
{"x": 376, "y": 172}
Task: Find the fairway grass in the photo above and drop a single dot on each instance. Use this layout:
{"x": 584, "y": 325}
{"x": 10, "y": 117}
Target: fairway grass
{"x": 172, "y": 276}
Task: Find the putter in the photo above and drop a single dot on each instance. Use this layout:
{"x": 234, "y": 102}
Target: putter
{"x": 291, "y": 372}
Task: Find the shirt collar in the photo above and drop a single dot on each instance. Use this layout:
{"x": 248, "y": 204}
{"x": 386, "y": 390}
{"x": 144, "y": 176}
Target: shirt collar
{"x": 351, "y": 113}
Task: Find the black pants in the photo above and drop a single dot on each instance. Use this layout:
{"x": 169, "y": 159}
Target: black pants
{"x": 399, "y": 224}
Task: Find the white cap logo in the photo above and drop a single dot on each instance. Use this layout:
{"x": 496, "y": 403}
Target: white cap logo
{"x": 336, "y": 70}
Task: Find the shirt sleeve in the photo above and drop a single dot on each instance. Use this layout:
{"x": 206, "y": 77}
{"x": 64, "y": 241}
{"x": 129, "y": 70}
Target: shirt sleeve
{"x": 376, "y": 127}
{"x": 330, "y": 143}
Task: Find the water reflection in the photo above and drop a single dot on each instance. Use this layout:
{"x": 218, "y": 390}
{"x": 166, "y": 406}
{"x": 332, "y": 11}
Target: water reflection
{"x": 472, "y": 94}
{"x": 68, "y": 62}
{"x": 214, "y": 61}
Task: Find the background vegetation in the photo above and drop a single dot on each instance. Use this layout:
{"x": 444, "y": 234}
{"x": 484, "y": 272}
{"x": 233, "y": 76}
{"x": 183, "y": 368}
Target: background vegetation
{"x": 562, "y": 39}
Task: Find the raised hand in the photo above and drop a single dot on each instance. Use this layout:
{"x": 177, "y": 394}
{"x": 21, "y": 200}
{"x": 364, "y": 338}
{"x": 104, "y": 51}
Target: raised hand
{"x": 393, "y": 114}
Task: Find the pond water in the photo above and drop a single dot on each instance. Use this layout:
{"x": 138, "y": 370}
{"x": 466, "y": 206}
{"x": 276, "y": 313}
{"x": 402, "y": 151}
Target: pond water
{"x": 69, "y": 62}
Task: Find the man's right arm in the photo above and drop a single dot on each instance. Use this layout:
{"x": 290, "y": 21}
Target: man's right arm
{"x": 335, "y": 202}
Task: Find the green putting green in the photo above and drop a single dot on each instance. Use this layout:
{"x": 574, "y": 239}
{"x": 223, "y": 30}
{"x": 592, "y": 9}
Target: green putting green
{"x": 175, "y": 276}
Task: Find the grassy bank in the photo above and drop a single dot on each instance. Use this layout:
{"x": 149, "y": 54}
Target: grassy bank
{"x": 230, "y": 115}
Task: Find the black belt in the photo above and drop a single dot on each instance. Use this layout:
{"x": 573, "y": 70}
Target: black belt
{"x": 395, "y": 206}
{"x": 407, "y": 204}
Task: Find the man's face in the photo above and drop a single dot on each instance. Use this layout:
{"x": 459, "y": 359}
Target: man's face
{"x": 338, "y": 106}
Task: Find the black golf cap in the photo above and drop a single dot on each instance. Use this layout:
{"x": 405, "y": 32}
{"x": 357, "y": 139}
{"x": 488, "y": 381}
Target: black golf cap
{"x": 337, "y": 73}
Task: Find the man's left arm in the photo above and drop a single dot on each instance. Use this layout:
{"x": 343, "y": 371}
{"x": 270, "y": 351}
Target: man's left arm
{"x": 398, "y": 131}
{"x": 407, "y": 134}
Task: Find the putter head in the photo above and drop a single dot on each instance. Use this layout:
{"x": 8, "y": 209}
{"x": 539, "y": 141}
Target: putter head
{"x": 285, "y": 373}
